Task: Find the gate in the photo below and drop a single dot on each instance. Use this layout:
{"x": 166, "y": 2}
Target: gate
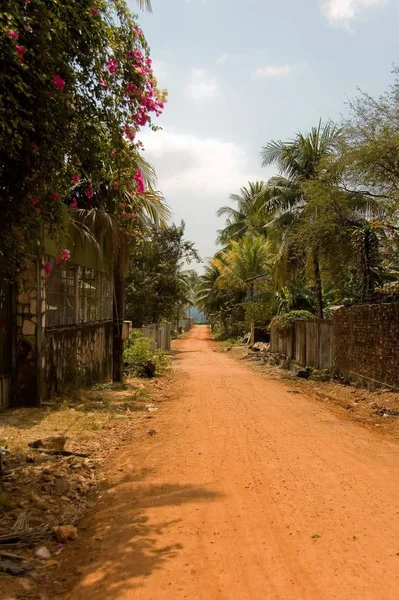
{"x": 6, "y": 340}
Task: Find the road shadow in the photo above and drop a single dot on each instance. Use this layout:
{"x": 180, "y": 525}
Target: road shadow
{"x": 121, "y": 543}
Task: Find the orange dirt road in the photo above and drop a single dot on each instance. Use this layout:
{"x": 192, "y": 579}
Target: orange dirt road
{"x": 246, "y": 492}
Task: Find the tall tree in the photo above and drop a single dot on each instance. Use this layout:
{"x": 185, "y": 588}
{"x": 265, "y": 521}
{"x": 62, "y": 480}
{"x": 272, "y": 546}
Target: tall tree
{"x": 298, "y": 162}
{"x": 241, "y": 261}
{"x": 248, "y": 217}
{"x": 156, "y": 283}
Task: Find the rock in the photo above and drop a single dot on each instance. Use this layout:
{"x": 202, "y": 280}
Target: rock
{"x": 62, "y": 486}
{"x": 38, "y": 501}
{"x": 149, "y": 369}
{"x": 43, "y": 553}
{"x": 65, "y": 533}
{"x": 50, "y": 443}
{"x": 13, "y": 568}
{"x": 303, "y": 374}
{"x": 152, "y": 432}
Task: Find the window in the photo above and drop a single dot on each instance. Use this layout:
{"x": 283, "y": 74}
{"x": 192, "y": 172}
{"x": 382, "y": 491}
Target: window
{"x": 76, "y": 295}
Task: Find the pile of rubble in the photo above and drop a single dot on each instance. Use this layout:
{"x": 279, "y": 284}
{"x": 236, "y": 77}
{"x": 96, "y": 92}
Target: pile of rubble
{"x": 43, "y": 494}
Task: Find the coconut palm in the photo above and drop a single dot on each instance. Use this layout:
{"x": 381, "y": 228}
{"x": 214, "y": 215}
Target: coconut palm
{"x": 247, "y": 217}
{"x": 298, "y": 162}
{"x": 145, "y": 5}
{"x": 243, "y": 260}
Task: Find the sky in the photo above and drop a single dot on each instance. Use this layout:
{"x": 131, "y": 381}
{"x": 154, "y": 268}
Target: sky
{"x": 240, "y": 73}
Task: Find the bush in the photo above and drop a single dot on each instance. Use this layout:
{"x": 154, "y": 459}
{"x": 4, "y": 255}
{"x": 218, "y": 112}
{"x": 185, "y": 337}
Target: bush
{"x": 140, "y": 360}
{"x": 286, "y": 321}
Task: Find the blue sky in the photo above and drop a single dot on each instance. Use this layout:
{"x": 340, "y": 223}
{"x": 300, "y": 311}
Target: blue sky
{"x": 242, "y": 73}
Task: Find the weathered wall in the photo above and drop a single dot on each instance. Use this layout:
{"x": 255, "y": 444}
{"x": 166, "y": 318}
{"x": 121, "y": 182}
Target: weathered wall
{"x": 366, "y": 343}
{"x": 159, "y": 334}
{"x": 30, "y": 311}
{"x": 309, "y": 343}
{"x": 77, "y": 354}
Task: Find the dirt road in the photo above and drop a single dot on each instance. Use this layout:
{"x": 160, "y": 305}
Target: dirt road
{"x": 246, "y": 492}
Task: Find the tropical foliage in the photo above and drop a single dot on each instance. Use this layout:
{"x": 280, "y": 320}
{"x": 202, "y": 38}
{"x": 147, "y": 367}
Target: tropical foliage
{"x": 157, "y": 285}
{"x": 76, "y": 84}
{"x": 322, "y": 231}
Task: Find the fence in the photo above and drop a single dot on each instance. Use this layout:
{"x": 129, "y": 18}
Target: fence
{"x": 309, "y": 343}
{"x": 159, "y": 334}
{"x": 360, "y": 344}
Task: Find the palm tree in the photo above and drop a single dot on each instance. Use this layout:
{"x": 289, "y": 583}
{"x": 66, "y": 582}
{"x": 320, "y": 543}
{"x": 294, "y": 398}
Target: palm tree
{"x": 145, "y": 5}
{"x": 243, "y": 260}
{"x": 248, "y": 217}
{"x": 99, "y": 221}
{"x": 299, "y": 162}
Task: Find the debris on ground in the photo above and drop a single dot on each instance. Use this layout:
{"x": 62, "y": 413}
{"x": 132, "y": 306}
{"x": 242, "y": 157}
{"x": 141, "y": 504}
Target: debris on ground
{"x": 65, "y": 533}
{"x": 54, "y": 467}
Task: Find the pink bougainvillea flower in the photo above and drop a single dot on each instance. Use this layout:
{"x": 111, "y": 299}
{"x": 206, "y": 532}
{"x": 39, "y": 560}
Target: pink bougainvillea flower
{"x": 122, "y": 204}
{"x": 76, "y": 179}
{"x": 58, "y": 82}
{"x": 113, "y": 153}
{"x": 58, "y": 260}
{"x": 14, "y": 35}
{"x": 20, "y": 51}
{"x": 89, "y": 191}
{"x": 134, "y": 215}
{"x": 65, "y": 255}
{"x": 103, "y": 82}
{"x": 116, "y": 185}
{"x": 34, "y": 146}
{"x": 35, "y": 201}
{"x": 140, "y": 187}
{"x": 56, "y": 196}
{"x": 74, "y": 204}
{"x": 47, "y": 268}
{"x": 130, "y": 132}
{"x": 112, "y": 65}
{"x": 95, "y": 12}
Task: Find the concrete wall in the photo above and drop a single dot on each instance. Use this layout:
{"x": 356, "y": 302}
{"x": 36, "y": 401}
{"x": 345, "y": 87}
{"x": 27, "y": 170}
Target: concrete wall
{"x": 366, "y": 344}
{"x": 78, "y": 354}
{"x": 53, "y": 360}
{"x": 159, "y": 334}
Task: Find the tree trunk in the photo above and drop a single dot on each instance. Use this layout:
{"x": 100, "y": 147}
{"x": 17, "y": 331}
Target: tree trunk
{"x": 118, "y": 317}
{"x": 252, "y": 341}
{"x": 318, "y": 288}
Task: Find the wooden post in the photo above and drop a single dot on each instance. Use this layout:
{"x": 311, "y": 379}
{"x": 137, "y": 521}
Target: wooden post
{"x": 252, "y": 332}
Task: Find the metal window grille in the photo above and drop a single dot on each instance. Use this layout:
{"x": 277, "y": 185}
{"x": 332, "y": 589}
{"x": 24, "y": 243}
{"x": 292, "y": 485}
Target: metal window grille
{"x": 61, "y": 296}
{"x": 77, "y": 294}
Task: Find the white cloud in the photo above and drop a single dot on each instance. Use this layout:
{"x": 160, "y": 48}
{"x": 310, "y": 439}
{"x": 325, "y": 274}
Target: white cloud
{"x": 222, "y": 59}
{"x": 202, "y": 86}
{"x": 160, "y": 70}
{"x": 196, "y": 175}
{"x": 343, "y": 12}
{"x": 273, "y": 71}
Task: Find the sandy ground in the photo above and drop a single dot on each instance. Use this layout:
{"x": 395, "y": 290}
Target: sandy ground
{"x": 242, "y": 491}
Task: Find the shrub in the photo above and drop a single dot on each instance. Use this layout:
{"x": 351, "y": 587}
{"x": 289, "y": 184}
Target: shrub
{"x": 140, "y": 360}
{"x": 285, "y": 322}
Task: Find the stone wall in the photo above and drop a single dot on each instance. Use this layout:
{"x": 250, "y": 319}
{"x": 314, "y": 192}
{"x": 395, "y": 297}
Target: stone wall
{"x": 30, "y": 315}
{"x": 77, "y": 355}
{"x": 366, "y": 344}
